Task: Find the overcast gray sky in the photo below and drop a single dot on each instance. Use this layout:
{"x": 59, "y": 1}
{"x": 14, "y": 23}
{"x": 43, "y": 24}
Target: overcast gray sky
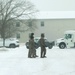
{"x": 54, "y": 5}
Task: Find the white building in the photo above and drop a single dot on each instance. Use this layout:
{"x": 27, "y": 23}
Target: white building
{"x": 53, "y": 24}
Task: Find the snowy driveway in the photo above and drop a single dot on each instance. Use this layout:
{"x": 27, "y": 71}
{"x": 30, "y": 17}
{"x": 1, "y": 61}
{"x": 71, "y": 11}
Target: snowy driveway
{"x": 58, "y": 62}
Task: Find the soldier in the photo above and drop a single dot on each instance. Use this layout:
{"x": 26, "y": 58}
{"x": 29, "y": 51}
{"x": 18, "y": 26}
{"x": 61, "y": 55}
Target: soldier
{"x": 42, "y": 45}
{"x": 32, "y": 51}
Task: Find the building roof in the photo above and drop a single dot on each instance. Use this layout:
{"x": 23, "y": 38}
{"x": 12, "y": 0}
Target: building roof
{"x": 56, "y": 15}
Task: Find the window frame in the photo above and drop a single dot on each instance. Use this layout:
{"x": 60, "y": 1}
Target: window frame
{"x": 42, "y": 24}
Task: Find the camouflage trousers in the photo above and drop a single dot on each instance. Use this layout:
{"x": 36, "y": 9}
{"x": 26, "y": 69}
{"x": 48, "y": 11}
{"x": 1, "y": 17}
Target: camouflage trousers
{"x": 32, "y": 53}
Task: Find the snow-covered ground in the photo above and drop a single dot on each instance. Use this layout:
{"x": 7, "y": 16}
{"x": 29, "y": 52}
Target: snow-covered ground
{"x": 16, "y": 62}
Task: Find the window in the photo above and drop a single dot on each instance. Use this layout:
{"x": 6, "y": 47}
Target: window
{"x": 30, "y": 24}
{"x": 68, "y": 36}
{"x": 42, "y": 23}
{"x": 17, "y": 24}
{"x": 18, "y": 35}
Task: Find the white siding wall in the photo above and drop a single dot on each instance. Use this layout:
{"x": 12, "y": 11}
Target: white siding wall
{"x": 53, "y": 28}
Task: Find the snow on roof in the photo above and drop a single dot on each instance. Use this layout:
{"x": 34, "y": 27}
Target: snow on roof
{"x": 55, "y": 15}
{"x": 70, "y": 32}
{"x": 51, "y": 15}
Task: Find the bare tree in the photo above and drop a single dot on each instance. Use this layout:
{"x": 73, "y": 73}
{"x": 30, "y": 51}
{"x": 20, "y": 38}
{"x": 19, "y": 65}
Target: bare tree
{"x": 11, "y": 10}
{"x": 28, "y": 25}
